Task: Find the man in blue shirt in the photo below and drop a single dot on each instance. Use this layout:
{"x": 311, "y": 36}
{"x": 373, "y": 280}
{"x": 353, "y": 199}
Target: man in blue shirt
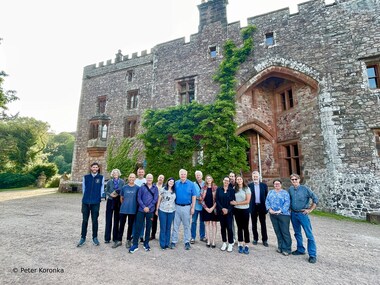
{"x": 93, "y": 191}
{"x": 185, "y": 203}
{"x": 300, "y": 197}
{"x": 198, "y": 184}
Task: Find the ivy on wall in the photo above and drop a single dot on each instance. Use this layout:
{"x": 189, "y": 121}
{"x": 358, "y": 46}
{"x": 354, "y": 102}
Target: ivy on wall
{"x": 201, "y": 137}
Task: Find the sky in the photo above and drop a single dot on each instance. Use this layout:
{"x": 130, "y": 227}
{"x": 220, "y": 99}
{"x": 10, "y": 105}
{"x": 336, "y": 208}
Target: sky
{"x": 46, "y": 44}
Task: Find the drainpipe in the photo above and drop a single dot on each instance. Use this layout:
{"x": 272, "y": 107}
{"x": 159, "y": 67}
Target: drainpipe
{"x": 259, "y": 155}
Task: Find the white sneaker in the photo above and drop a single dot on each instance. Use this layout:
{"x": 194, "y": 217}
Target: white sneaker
{"x": 230, "y": 246}
{"x": 224, "y": 246}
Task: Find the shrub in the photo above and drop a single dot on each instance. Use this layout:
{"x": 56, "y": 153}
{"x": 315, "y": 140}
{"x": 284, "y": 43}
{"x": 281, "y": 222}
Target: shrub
{"x": 54, "y": 182}
{"x": 50, "y": 169}
{"x": 15, "y": 180}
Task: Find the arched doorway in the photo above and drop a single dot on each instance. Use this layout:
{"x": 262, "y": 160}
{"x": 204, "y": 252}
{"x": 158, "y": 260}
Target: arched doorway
{"x": 270, "y": 108}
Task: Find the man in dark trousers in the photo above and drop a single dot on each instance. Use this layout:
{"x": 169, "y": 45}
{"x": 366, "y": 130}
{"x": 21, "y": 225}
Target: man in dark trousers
{"x": 93, "y": 190}
{"x": 259, "y": 192}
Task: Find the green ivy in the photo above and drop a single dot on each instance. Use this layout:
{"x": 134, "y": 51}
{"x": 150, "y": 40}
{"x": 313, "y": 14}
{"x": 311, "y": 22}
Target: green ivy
{"x": 175, "y": 133}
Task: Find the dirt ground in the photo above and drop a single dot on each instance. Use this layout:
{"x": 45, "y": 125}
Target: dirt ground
{"x": 38, "y": 237}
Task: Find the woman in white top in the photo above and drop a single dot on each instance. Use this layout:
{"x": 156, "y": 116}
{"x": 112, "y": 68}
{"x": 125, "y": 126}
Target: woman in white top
{"x": 241, "y": 212}
{"x": 165, "y": 210}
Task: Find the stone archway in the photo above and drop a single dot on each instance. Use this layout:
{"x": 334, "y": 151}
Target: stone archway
{"x": 270, "y": 108}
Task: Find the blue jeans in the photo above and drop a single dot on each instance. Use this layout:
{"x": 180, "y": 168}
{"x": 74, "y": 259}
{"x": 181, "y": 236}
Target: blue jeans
{"x": 298, "y": 220}
{"x": 194, "y": 225}
{"x": 166, "y": 220}
{"x": 139, "y": 225}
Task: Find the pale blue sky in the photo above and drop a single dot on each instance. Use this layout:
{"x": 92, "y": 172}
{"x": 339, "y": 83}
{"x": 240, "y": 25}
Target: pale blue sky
{"x": 47, "y": 43}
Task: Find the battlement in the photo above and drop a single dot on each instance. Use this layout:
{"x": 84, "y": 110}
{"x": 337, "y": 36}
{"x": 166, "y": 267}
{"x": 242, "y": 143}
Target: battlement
{"x": 119, "y": 62}
{"x": 278, "y": 16}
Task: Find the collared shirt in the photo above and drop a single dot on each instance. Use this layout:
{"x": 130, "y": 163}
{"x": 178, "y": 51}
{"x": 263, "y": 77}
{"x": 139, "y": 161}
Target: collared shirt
{"x": 278, "y": 201}
{"x": 300, "y": 197}
{"x": 184, "y": 192}
{"x": 198, "y": 205}
{"x": 257, "y": 193}
{"x": 139, "y": 181}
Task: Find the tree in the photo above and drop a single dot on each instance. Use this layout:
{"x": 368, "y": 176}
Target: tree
{"x": 22, "y": 141}
{"x": 5, "y": 96}
{"x": 59, "y": 150}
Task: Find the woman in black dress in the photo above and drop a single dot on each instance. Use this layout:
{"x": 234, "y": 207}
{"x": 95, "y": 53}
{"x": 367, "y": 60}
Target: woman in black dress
{"x": 209, "y": 214}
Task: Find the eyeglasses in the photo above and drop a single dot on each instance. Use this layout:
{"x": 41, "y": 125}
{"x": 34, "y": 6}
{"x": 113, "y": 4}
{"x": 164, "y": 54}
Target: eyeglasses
{"x": 294, "y": 179}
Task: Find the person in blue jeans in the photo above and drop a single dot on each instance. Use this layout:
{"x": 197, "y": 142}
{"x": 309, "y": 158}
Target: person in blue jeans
{"x": 165, "y": 211}
{"x": 198, "y": 184}
{"x": 300, "y": 197}
{"x": 147, "y": 197}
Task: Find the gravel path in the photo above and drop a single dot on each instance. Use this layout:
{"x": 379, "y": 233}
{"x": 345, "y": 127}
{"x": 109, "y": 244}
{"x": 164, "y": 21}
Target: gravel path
{"x": 38, "y": 236}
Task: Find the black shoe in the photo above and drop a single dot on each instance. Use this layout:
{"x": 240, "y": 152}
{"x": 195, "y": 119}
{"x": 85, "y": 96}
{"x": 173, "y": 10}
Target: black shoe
{"x": 296, "y": 252}
{"x": 203, "y": 239}
{"x": 208, "y": 245}
{"x": 265, "y": 243}
{"x": 117, "y": 244}
{"x": 254, "y": 242}
{"x": 213, "y": 246}
{"x": 312, "y": 259}
{"x": 152, "y": 237}
{"x": 107, "y": 241}
{"x": 141, "y": 240}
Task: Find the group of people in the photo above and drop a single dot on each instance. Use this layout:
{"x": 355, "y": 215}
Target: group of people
{"x": 181, "y": 201}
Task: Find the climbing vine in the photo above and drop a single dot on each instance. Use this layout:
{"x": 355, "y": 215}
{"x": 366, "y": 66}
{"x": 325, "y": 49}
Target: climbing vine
{"x": 196, "y": 136}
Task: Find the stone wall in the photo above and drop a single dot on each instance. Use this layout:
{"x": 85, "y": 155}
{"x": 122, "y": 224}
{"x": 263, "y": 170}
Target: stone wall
{"x": 320, "y": 51}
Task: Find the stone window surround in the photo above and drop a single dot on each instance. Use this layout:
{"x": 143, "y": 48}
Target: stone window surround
{"x": 130, "y": 126}
{"x": 187, "y": 92}
{"x": 290, "y": 98}
{"x": 270, "y": 36}
{"x": 372, "y": 61}
{"x": 101, "y": 104}
{"x": 290, "y": 158}
{"x": 377, "y": 140}
{"x": 130, "y": 75}
{"x": 213, "y": 51}
{"x": 95, "y": 127}
{"x": 132, "y": 99}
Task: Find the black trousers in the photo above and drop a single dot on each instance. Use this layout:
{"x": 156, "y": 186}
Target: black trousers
{"x": 112, "y": 211}
{"x": 260, "y": 213}
{"x": 154, "y": 225}
{"x": 87, "y": 210}
{"x": 123, "y": 219}
{"x": 242, "y": 221}
{"x": 226, "y": 227}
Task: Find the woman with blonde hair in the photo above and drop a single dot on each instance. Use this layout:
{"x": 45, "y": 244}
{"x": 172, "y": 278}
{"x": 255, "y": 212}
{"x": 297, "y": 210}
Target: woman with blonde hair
{"x": 209, "y": 213}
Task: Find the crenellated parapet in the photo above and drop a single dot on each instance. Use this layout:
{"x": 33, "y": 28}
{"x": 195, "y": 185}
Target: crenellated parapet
{"x": 119, "y": 63}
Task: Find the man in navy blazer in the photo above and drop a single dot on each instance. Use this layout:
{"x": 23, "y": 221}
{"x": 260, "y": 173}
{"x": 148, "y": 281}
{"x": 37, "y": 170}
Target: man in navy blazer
{"x": 259, "y": 192}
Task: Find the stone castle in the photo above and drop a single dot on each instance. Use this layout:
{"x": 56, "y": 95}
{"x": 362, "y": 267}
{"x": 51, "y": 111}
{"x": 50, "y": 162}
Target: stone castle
{"x": 308, "y": 98}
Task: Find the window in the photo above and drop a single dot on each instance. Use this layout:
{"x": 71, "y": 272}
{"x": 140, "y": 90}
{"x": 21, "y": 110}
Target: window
{"x": 186, "y": 91}
{"x": 101, "y": 108}
{"x": 213, "y": 51}
{"x": 292, "y": 159}
{"x": 287, "y": 100}
{"x": 197, "y": 158}
{"x": 130, "y": 127}
{"x": 269, "y": 39}
{"x": 373, "y": 76}
{"x": 129, "y": 75}
{"x": 132, "y": 99}
{"x": 377, "y": 140}
{"x": 94, "y": 130}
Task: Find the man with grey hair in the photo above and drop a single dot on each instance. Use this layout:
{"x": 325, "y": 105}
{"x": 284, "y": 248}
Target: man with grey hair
{"x": 259, "y": 192}
{"x": 300, "y": 197}
{"x": 185, "y": 203}
{"x": 198, "y": 184}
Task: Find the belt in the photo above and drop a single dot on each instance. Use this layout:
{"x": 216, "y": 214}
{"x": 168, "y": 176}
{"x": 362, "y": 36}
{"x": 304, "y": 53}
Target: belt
{"x": 257, "y": 204}
{"x": 297, "y": 211}
{"x": 183, "y": 205}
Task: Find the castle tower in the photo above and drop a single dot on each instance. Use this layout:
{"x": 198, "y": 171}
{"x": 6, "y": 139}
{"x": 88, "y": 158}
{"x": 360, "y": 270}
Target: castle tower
{"x": 212, "y": 11}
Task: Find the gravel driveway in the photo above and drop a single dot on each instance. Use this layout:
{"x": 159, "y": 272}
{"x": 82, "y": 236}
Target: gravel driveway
{"x": 38, "y": 236}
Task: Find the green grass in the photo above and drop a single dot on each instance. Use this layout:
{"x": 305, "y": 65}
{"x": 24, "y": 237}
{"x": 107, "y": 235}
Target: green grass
{"x": 19, "y": 189}
{"x": 335, "y": 216}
